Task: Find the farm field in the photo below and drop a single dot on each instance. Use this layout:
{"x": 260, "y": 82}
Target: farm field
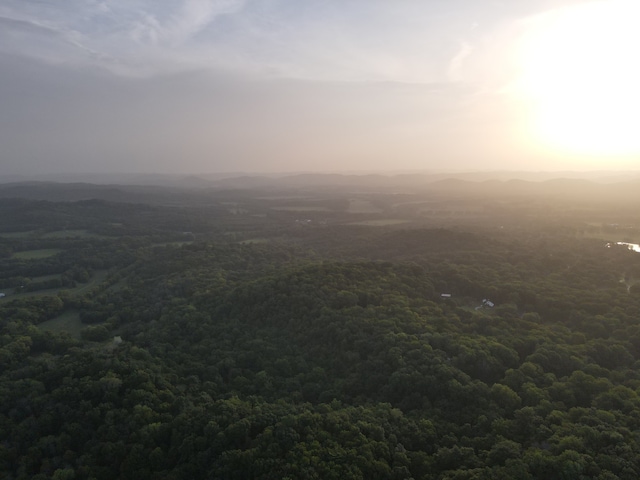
{"x": 301, "y": 209}
{"x": 44, "y": 278}
{"x": 252, "y": 241}
{"x": 173, "y": 244}
{"x": 37, "y": 254}
{"x": 381, "y": 223}
{"x": 72, "y": 234}
{"x": 12, "y": 235}
{"x": 358, "y": 205}
{"x": 97, "y": 278}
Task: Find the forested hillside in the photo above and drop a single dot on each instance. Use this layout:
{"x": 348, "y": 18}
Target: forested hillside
{"x": 234, "y": 341}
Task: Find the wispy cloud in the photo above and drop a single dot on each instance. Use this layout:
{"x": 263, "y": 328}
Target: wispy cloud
{"x": 188, "y": 20}
{"x": 45, "y": 41}
{"x": 457, "y": 62}
{"x": 371, "y": 41}
{"x": 125, "y": 37}
{"x": 376, "y": 40}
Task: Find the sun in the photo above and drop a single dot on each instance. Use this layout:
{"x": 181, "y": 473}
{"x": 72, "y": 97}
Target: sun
{"x": 579, "y": 74}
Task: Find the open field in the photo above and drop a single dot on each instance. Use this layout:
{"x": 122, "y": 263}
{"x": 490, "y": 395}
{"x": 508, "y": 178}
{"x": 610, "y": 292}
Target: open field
{"x": 72, "y": 234}
{"x": 380, "y": 223}
{"x": 116, "y": 287}
{"x": 36, "y": 254}
{"x": 359, "y": 205}
{"x": 254, "y": 240}
{"x": 44, "y": 278}
{"x": 68, "y": 322}
{"x": 450, "y": 210}
{"x": 302, "y": 209}
{"x": 97, "y": 278}
{"x": 173, "y": 244}
{"x": 409, "y": 203}
{"x": 54, "y": 234}
{"x": 26, "y": 234}
{"x": 37, "y": 293}
{"x": 286, "y": 197}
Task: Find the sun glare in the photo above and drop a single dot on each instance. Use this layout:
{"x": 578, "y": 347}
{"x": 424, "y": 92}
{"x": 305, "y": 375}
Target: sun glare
{"x": 580, "y": 76}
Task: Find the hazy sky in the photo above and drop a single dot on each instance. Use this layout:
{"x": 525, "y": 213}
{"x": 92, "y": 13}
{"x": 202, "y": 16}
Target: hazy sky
{"x": 295, "y": 85}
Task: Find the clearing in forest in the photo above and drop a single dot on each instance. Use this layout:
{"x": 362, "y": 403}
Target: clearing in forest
{"x": 359, "y": 205}
{"x": 36, "y": 254}
{"x": 384, "y": 222}
{"x": 72, "y": 234}
{"x": 301, "y": 209}
{"x": 68, "y": 322}
{"x": 26, "y": 234}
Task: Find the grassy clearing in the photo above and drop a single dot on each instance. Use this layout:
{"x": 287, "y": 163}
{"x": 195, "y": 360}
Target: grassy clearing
{"x": 72, "y": 234}
{"x": 68, "y": 322}
{"x": 119, "y": 285}
{"x": 98, "y": 277}
{"x": 301, "y": 209}
{"x": 17, "y": 293}
{"x": 451, "y": 210}
{"x": 287, "y": 197}
{"x": 28, "y": 234}
{"x": 254, "y": 240}
{"x": 173, "y": 244}
{"x": 36, "y": 254}
{"x": 411, "y": 203}
{"x": 380, "y": 223}
{"x": 358, "y": 205}
{"x": 44, "y": 278}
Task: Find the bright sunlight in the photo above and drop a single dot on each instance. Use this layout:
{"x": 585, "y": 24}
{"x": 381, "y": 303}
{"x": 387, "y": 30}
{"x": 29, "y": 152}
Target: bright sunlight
{"x": 580, "y": 76}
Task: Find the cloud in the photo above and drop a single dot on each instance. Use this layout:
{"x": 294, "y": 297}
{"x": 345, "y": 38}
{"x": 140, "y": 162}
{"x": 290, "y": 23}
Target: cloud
{"x": 456, "y": 63}
{"x": 125, "y": 37}
{"x": 332, "y": 41}
{"x": 180, "y": 26}
{"x": 31, "y": 34}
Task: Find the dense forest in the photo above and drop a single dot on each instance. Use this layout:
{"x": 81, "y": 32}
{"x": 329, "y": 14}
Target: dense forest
{"x": 252, "y": 334}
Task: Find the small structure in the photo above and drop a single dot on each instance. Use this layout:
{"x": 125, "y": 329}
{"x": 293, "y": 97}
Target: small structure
{"x": 488, "y": 303}
{"x": 117, "y": 340}
{"x": 445, "y": 295}
{"x": 2, "y": 295}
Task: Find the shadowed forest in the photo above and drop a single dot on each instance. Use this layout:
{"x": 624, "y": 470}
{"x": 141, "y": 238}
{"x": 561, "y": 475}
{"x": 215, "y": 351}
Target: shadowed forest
{"x": 324, "y": 328}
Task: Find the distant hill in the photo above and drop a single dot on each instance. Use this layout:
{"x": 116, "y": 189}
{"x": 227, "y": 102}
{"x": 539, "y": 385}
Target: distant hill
{"x": 241, "y": 179}
{"x": 198, "y": 190}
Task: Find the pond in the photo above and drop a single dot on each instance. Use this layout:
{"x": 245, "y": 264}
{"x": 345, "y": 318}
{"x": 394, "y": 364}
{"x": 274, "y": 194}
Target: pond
{"x": 631, "y": 246}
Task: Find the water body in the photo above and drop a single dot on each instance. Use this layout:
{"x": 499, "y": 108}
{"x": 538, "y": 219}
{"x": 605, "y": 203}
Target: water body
{"x": 631, "y": 246}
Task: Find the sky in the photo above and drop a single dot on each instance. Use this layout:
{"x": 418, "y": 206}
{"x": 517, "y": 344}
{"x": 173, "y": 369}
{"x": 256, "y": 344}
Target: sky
{"x": 201, "y": 86}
